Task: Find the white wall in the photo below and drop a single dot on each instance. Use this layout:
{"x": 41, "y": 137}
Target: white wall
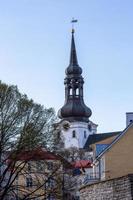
{"x": 81, "y": 134}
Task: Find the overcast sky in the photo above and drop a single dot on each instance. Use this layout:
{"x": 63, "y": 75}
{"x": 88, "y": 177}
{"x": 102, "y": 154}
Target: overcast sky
{"x": 35, "y": 47}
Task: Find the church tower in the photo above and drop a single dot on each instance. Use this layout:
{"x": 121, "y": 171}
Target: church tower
{"x": 75, "y": 126}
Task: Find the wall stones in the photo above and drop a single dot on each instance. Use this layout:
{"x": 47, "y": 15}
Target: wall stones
{"x": 114, "y": 189}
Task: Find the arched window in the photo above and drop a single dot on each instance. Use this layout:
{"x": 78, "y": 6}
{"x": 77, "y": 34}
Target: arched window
{"x": 74, "y": 134}
{"x": 70, "y": 91}
{"x": 77, "y": 91}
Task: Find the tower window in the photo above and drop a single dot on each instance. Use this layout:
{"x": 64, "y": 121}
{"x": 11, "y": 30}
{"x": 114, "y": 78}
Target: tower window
{"x": 77, "y": 91}
{"x": 74, "y": 134}
{"x": 70, "y": 91}
{"x": 85, "y": 134}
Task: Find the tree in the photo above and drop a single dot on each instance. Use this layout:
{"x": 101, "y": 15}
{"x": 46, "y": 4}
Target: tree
{"x": 24, "y": 126}
{"x": 73, "y": 153}
{"x": 38, "y": 175}
{"x": 74, "y": 178}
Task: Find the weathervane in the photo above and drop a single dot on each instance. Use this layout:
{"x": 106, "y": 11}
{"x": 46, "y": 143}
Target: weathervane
{"x": 73, "y": 21}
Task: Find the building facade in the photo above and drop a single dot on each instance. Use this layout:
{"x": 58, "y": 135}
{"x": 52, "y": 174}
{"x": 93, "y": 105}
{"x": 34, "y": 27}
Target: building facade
{"x": 38, "y": 174}
{"x": 116, "y": 159}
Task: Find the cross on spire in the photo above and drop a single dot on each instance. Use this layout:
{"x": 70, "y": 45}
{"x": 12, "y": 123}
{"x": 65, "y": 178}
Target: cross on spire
{"x": 73, "y": 21}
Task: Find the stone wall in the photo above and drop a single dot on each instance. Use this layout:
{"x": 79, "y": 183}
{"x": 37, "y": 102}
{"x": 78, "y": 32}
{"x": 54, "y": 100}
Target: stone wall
{"x": 119, "y": 188}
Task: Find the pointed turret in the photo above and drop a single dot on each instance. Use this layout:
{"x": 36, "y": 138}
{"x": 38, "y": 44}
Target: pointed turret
{"x": 74, "y": 108}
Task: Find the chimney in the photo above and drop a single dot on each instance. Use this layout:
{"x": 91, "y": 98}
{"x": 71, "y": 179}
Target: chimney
{"x": 129, "y": 118}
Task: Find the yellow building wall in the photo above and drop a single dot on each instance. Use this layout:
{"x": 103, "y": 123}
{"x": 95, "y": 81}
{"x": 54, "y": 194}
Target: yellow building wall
{"x": 107, "y": 140}
{"x": 119, "y": 158}
{"x": 39, "y": 178}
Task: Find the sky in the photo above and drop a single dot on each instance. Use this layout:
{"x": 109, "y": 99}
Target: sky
{"x": 35, "y": 47}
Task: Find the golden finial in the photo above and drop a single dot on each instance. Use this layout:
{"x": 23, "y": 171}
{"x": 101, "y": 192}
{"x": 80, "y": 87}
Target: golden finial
{"x": 73, "y": 30}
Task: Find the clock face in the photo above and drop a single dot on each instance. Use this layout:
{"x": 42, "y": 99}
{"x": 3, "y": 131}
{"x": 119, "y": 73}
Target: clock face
{"x": 66, "y": 125}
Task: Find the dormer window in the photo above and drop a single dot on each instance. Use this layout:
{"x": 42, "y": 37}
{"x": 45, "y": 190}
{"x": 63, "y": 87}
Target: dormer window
{"x": 74, "y": 134}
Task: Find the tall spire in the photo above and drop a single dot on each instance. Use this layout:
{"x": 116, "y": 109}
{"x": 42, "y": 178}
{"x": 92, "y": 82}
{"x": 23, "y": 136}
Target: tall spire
{"x": 74, "y": 108}
{"x": 73, "y": 67}
{"x": 73, "y": 54}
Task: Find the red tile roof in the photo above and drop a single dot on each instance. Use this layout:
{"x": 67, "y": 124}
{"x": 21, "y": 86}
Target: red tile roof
{"x": 82, "y": 164}
{"x": 36, "y": 154}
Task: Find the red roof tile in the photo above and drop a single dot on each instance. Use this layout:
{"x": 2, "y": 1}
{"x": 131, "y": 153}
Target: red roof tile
{"x": 37, "y": 154}
{"x": 82, "y": 164}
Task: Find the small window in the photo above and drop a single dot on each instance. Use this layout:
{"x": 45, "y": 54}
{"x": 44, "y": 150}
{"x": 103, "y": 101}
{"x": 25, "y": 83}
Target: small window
{"x": 50, "y": 165}
{"x": 29, "y": 166}
{"x": 50, "y": 197}
{"x": 74, "y": 134}
{"x": 50, "y": 183}
{"x": 29, "y": 182}
{"x": 85, "y": 134}
{"x": 131, "y": 120}
{"x": 39, "y": 166}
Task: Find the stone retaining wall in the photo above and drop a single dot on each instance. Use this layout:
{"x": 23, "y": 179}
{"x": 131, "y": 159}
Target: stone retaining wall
{"x": 118, "y": 188}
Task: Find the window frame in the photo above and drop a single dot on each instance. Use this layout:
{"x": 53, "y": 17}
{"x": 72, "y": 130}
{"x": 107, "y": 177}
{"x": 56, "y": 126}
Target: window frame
{"x": 29, "y": 182}
{"x": 73, "y": 134}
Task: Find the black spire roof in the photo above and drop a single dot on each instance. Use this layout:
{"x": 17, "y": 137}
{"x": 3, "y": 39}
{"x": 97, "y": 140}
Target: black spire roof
{"x": 74, "y": 108}
{"x": 73, "y": 67}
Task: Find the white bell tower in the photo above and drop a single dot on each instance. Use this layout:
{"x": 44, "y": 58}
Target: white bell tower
{"x": 75, "y": 134}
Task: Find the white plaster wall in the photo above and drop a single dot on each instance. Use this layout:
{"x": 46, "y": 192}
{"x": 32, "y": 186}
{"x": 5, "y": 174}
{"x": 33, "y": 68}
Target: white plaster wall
{"x": 79, "y": 128}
